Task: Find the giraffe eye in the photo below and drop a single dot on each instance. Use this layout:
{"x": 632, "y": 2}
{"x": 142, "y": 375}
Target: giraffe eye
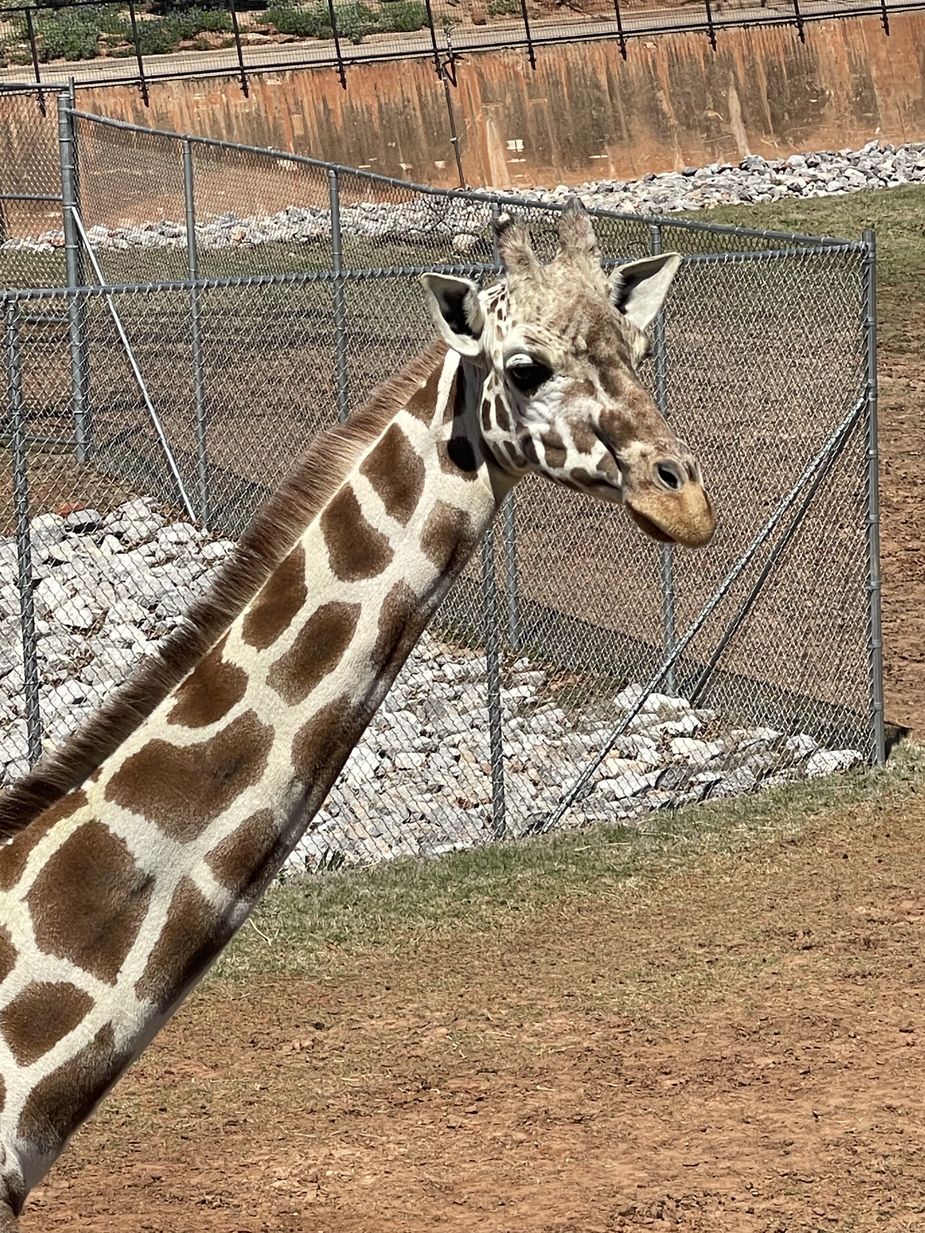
{"x": 526, "y": 374}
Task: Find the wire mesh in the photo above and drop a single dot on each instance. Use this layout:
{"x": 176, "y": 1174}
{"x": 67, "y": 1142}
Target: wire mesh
{"x": 278, "y": 291}
{"x": 113, "y": 43}
{"x": 31, "y": 243}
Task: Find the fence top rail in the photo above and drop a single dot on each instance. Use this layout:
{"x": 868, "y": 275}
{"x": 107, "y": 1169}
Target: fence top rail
{"x": 304, "y": 278}
{"x": 783, "y": 14}
{"x": 480, "y": 195}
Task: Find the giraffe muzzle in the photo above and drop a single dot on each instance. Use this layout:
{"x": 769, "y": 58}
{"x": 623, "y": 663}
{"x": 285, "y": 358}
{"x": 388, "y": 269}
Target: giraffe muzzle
{"x": 672, "y": 506}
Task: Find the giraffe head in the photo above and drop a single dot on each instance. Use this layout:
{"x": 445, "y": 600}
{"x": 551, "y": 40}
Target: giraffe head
{"x": 559, "y": 345}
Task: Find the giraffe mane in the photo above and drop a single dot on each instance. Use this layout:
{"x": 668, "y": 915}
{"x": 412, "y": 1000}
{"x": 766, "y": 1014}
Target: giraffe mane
{"x": 273, "y": 531}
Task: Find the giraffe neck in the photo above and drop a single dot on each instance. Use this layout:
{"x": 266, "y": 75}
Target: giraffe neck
{"x": 116, "y": 898}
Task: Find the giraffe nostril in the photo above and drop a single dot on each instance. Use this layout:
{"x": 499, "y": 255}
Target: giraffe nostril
{"x": 670, "y": 476}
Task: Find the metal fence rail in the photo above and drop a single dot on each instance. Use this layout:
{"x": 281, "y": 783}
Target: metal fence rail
{"x": 230, "y": 302}
{"x": 131, "y": 41}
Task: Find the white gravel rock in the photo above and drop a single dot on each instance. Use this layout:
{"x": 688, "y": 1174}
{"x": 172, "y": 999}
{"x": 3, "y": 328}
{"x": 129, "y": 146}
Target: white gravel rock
{"x": 831, "y": 762}
{"x": 461, "y": 226}
{"x": 420, "y": 781}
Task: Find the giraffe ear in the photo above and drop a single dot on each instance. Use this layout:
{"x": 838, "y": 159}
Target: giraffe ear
{"x": 639, "y": 287}
{"x": 457, "y": 313}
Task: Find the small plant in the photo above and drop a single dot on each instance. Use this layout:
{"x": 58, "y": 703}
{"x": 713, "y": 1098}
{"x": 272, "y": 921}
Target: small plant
{"x": 189, "y": 23}
{"x": 153, "y": 38}
{"x": 70, "y": 34}
{"x": 402, "y": 17}
{"x": 503, "y": 8}
{"x": 354, "y": 21}
{"x": 313, "y": 22}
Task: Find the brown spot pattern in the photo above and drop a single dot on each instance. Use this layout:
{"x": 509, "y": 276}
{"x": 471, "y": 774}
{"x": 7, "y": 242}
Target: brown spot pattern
{"x": 182, "y": 790}
{"x": 457, "y": 457}
{"x": 89, "y": 901}
{"x": 238, "y": 859}
{"x": 193, "y": 935}
{"x": 396, "y": 471}
{"x": 356, "y": 550}
{"x": 66, "y": 1097}
{"x": 7, "y": 954}
{"x": 316, "y": 651}
{"x": 528, "y": 448}
{"x": 583, "y": 478}
{"x": 15, "y": 855}
{"x": 554, "y": 449}
{"x": 399, "y": 625}
{"x": 209, "y": 692}
{"x": 280, "y": 598}
{"x": 447, "y": 539}
{"x": 321, "y": 746}
{"x": 41, "y": 1016}
{"x": 423, "y": 403}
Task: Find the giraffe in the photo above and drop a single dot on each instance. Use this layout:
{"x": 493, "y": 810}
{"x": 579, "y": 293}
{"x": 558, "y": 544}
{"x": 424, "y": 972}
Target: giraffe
{"x": 138, "y": 850}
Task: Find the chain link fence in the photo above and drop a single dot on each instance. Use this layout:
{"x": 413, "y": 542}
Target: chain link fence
{"x": 224, "y": 304}
{"x": 142, "y": 41}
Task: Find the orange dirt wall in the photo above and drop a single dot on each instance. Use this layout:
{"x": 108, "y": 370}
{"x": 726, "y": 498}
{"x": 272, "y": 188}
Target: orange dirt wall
{"x": 584, "y": 113}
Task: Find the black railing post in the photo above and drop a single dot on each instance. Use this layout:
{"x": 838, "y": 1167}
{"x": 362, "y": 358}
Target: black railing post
{"x": 711, "y": 28}
{"x": 341, "y": 71}
{"x": 142, "y": 82}
{"x": 239, "y": 52}
{"x": 884, "y": 17}
{"x": 438, "y": 66}
{"x": 33, "y": 47}
{"x": 526, "y": 20}
{"x": 798, "y": 18}
{"x": 621, "y": 36}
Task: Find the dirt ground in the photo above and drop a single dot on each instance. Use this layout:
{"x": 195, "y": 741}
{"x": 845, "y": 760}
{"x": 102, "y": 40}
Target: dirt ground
{"x": 902, "y": 464}
{"x": 735, "y": 1047}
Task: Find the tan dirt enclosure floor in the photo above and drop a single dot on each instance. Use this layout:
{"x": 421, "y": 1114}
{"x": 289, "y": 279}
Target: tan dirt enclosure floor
{"x": 727, "y": 1041}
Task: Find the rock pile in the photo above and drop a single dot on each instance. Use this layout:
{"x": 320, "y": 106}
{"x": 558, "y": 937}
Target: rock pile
{"x": 108, "y": 586}
{"x": 461, "y": 224}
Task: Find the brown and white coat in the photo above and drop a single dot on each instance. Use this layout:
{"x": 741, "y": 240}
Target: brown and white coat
{"x": 139, "y": 849}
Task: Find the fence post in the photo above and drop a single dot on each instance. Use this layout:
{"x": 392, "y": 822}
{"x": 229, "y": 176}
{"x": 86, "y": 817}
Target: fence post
{"x": 142, "y": 81}
{"x": 493, "y": 683}
{"x": 33, "y": 48}
{"x": 24, "y": 579}
{"x": 666, "y": 552}
{"x": 508, "y": 519}
{"x": 798, "y": 18}
{"x": 74, "y": 266}
{"x": 341, "y": 72}
{"x": 711, "y": 28}
{"x": 875, "y": 635}
{"x": 199, "y": 399}
{"x": 525, "y": 16}
{"x": 236, "y": 30}
{"x": 621, "y": 33}
{"x": 340, "y": 302}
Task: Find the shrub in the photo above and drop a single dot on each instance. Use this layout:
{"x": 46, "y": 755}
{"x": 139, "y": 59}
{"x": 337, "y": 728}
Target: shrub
{"x": 70, "y": 34}
{"x": 186, "y": 25}
{"x": 307, "y": 23}
{"x": 355, "y": 20}
{"x": 503, "y": 8}
{"x": 154, "y": 37}
{"x": 166, "y": 8}
{"x": 402, "y": 17}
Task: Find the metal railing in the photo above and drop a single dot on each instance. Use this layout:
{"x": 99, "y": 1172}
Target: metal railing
{"x": 230, "y": 302}
{"x": 107, "y": 44}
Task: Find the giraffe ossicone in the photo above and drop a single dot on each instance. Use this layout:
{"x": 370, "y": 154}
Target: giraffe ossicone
{"x": 139, "y": 848}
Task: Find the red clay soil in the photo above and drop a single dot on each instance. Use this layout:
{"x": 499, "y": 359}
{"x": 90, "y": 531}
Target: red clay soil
{"x": 736, "y": 1050}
